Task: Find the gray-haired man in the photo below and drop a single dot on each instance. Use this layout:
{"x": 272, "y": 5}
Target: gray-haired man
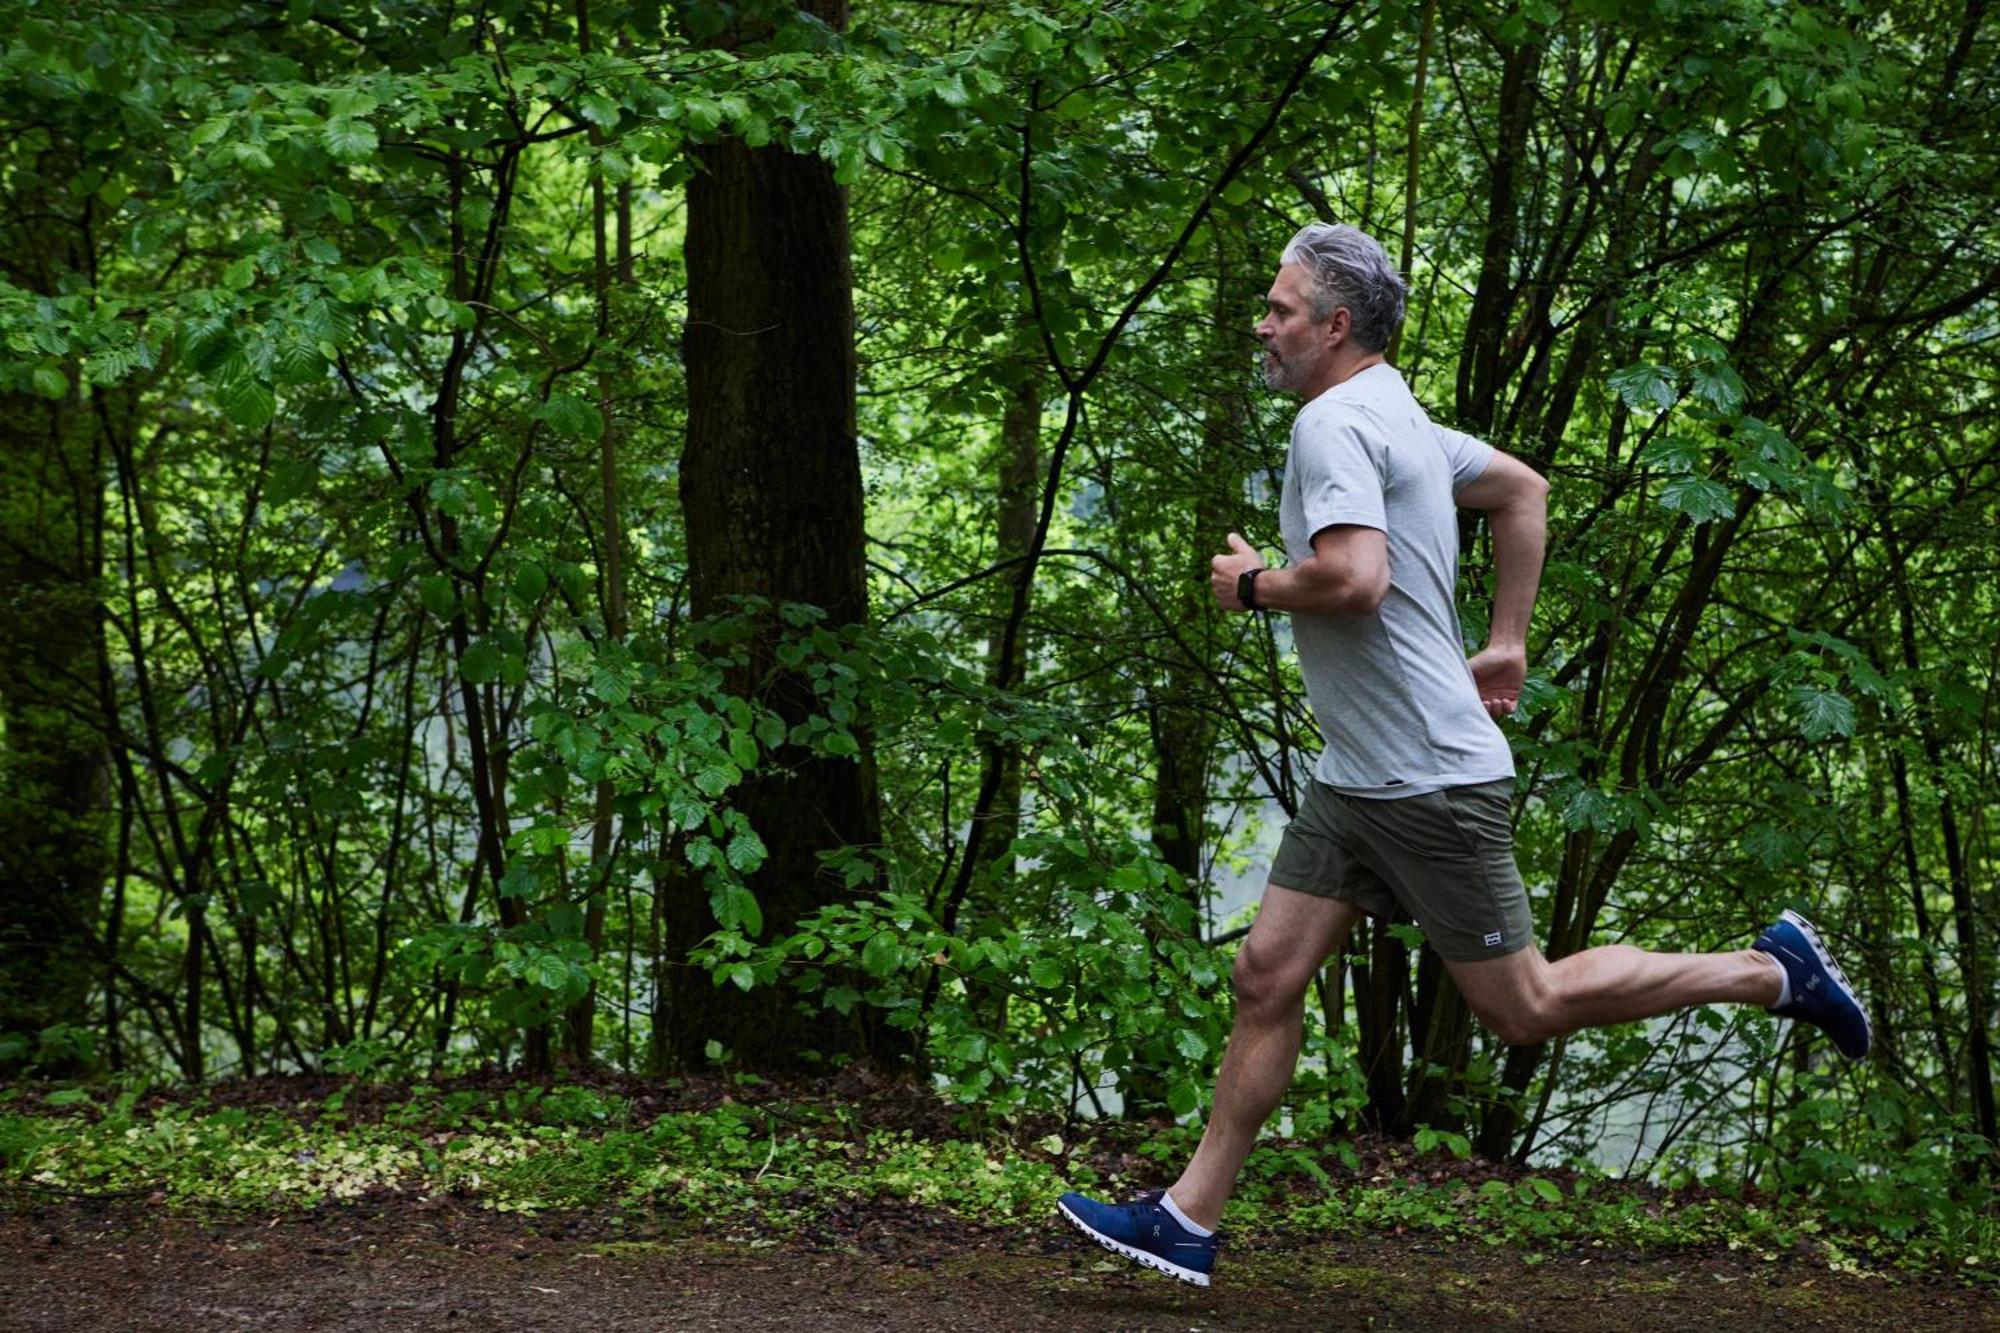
{"x": 1408, "y": 814}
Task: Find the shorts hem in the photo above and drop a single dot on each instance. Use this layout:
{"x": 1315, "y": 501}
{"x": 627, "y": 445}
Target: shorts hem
{"x": 1484, "y": 954}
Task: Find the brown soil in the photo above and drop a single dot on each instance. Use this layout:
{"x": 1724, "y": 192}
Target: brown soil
{"x": 399, "y": 1265}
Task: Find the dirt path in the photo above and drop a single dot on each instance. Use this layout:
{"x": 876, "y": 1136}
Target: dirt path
{"x": 76, "y": 1266}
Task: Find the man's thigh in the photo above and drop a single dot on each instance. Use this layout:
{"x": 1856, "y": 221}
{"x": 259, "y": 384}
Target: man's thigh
{"x": 1295, "y": 932}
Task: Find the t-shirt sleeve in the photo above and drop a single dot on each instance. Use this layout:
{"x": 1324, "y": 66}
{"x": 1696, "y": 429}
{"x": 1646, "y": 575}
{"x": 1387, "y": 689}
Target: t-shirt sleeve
{"x": 1339, "y": 480}
{"x": 1467, "y": 456}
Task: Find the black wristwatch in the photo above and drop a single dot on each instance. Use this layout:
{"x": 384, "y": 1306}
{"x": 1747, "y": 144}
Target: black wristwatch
{"x": 1246, "y": 588}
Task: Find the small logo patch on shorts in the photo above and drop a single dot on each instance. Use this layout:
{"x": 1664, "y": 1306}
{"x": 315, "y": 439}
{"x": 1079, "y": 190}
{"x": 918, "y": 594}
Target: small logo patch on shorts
{"x": 1493, "y": 940}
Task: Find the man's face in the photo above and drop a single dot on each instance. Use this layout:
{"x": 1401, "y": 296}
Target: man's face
{"x": 1296, "y": 350}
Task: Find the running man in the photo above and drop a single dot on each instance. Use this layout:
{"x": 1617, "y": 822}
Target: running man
{"x": 1408, "y": 813}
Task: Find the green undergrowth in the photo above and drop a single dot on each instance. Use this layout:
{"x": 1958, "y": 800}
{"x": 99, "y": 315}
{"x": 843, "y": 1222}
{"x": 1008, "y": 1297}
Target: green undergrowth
{"x": 775, "y": 1167}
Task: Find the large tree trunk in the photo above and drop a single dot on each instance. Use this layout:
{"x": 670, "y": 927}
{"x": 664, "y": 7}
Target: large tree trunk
{"x": 771, "y": 489}
{"x": 54, "y": 770}
{"x": 54, "y": 763}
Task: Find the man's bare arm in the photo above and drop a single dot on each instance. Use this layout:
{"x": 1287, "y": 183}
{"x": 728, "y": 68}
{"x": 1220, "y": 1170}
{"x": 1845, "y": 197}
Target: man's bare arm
{"x": 1346, "y": 575}
{"x": 1515, "y": 498}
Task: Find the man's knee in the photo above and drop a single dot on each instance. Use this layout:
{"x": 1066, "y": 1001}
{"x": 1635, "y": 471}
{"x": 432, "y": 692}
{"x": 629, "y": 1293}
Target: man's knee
{"x": 1267, "y": 985}
{"x": 1520, "y": 1023}
{"x": 1520, "y": 1015}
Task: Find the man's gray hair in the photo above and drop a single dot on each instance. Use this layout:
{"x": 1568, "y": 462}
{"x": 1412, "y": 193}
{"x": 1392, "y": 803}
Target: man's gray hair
{"x": 1349, "y": 268}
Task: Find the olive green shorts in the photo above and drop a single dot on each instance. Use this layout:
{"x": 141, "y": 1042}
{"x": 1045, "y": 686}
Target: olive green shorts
{"x": 1444, "y": 859}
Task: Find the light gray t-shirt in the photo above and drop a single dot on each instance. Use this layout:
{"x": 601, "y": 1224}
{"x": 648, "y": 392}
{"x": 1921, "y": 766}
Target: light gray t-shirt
{"x": 1390, "y": 690}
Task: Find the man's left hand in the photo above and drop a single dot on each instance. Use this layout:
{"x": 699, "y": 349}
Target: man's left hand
{"x": 1499, "y": 672}
{"x": 1223, "y": 569}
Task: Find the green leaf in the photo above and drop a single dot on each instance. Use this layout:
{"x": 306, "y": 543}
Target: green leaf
{"x": 1673, "y": 453}
{"x": 1718, "y": 385}
{"x": 1190, "y": 1044}
{"x": 291, "y": 480}
{"x": 349, "y": 140}
{"x": 882, "y": 954}
{"x": 607, "y": 684}
{"x": 451, "y": 493}
{"x": 530, "y": 582}
{"x": 1822, "y": 712}
{"x": 736, "y": 908}
{"x": 717, "y": 778}
{"x": 1645, "y": 387}
{"x": 49, "y": 381}
{"x": 248, "y": 155}
{"x": 1046, "y": 972}
{"x": 350, "y": 102}
{"x": 296, "y": 364}
{"x": 1700, "y": 499}
{"x": 599, "y": 110}
{"x": 326, "y": 321}
{"x": 484, "y": 663}
{"x": 1590, "y": 808}
{"x": 436, "y": 593}
{"x": 569, "y": 415}
{"x": 686, "y": 812}
{"x": 746, "y": 851}
{"x": 551, "y": 973}
{"x": 1545, "y": 1189}
{"x": 249, "y": 403}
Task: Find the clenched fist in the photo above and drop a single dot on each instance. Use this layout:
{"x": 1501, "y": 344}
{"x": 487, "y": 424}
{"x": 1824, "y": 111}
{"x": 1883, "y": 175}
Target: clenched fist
{"x": 1224, "y": 569}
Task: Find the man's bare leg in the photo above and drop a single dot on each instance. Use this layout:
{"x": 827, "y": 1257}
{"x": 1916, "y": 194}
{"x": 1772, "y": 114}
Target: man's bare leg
{"x": 1525, "y": 998}
{"x": 1294, "y": 934}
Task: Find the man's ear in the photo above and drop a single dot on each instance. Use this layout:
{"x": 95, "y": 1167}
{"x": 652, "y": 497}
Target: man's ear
{"x": 1339, "y": 326}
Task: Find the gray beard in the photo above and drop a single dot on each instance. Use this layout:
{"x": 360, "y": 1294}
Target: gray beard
{"x": 1281, "y": 374}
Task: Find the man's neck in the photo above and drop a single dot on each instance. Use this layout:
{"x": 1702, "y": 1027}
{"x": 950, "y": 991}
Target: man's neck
{"x": 1342, "y": 369}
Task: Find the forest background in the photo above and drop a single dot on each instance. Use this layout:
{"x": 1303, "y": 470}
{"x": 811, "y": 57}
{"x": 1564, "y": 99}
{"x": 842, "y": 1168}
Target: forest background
{"x": 664, "y": 536}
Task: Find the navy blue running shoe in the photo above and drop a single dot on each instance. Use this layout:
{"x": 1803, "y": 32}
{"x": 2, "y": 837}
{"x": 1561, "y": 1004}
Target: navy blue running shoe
{"x": 1820, "y": 992}
{"x": 1144, "y": 1231}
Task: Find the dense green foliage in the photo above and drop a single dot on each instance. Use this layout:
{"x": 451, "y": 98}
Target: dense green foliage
{"x": 356, "y": 715}
{"x": 768, "y": 1165}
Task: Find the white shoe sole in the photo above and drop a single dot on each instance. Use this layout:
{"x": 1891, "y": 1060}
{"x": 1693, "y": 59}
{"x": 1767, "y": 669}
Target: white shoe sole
{"x": 1140, "y": 1256}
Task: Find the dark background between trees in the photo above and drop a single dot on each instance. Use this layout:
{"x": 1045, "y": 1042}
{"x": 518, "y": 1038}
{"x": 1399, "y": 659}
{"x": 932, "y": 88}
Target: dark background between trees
{"x": 429, "y": 429}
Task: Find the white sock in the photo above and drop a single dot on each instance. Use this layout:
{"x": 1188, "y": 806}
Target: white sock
{"x": 1784, "y": 983}
{"x": 1174, "y": 1211}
